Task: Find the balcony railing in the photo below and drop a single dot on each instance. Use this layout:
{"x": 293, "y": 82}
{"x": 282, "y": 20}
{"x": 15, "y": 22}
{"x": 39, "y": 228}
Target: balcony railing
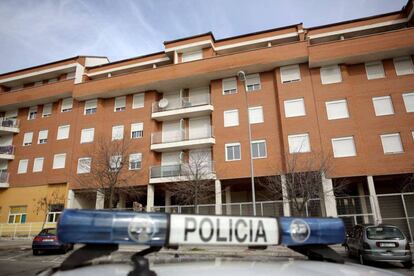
{"x": 190, "y": 172}
{"x": 182, "y": 135}
{"x": 7, "y": 149}
{"x": 183, "y": 102}
{"x": 9, "y": 122}
{"x": 4, "y": 177}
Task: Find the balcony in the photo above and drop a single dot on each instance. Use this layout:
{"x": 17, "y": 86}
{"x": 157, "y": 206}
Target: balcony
{"x": 161, "y": 142}
{"x": 182, "y": 172}
{"x": 185, "y": 107}
{"x": 7, "y": 152}
{"x": 9, "y": 126}
{"x": 4, "y": 179}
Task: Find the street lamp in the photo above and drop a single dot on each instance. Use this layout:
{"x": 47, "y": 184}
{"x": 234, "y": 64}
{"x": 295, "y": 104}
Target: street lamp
{"x": 242, "y": 77}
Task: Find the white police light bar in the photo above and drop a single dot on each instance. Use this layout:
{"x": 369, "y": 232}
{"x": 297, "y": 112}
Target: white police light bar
{"x": 160, "y": 229}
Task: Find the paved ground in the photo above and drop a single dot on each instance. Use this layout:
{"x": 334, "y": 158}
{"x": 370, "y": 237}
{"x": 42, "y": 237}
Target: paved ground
{"x": 16, "y": 257}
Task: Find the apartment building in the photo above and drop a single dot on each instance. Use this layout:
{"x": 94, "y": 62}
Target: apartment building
{"x": 344, "y": 90}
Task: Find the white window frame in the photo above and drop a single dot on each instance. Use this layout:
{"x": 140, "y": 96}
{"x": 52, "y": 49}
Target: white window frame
{"x": 408, "y": 99}
{"x": 325, "y": 80}
{"x": 138, "y": 100}
{"x": 26, "y": 141}
{"x": 91, "y": 107}
{"x": 253, "y": 82}
{"x": 42, "y": 137}
{"x": 115, "y": 162}
{"x": 23, "y": 165}
{"x": 232, "y": 145}
{"x": 60, "y": 132}
{"x": 341, "y": 139}
{"x": 135, "y": 129}
{"x": 47, "y": 110}
{"x": 16, "y": 215}
{"x": 384, "y": 146}
{"x": 330, "y": 112}
{"x": 251, "y": 110}
{"x": 376, "y": 100}
{"x": 254, "y": 142}
{"x": 228, "y": 123}
{"x": 55, "y": 160}
{"x": 227, "y": 86}
{"x": 286, "y": 75}
{"x": 114, "y": 130}
{"x": 84, "y": 168}
{"x": 135, "y": 157}
{"x": 85, "y": 135}
{"x": 38, "y": 164}
{"x": 371, "y": 75}
{"x": 192, "y": 56}
{"x": 31, "y": 115}
{"x": 67, "y": 105}
{"x": 120, "y": 104}
{"x": 302, "y": 149}
{"x": 398, "y": 70}
{"x": 297, "y": 114}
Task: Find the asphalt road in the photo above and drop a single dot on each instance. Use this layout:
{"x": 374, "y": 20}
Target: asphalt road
{"x": 20, "y": 261}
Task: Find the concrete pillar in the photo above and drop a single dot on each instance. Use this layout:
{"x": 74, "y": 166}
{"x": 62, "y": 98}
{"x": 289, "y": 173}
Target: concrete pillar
{"x": 374, "y": 199}
{"x": 286, "y": 205}
{"x": 228, "y": 200}
{"x": 219, "y": 202}
{"x": 100, "y": 200}
{"x": 167, "y": 202}
{"x": 150, "y": 197}
{"x": 364, "y": 206}
{"x": 329, "y": 197}
{"x": 70, "y": 203}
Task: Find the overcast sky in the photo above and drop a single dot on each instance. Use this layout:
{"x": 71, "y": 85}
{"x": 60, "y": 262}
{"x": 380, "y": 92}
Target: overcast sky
{"x": 34, "y": 32}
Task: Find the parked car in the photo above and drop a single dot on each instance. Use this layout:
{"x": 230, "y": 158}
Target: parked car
{"x": 47, "y": 240}
{"x": 379, "y": 243}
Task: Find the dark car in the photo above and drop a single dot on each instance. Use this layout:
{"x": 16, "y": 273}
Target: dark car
{"x": 47, "y": 240}
{"x": 379, "y": 243}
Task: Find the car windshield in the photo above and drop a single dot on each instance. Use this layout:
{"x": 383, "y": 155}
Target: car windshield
{"x": 49, "y": 231}
{"x": 384, "y": 233}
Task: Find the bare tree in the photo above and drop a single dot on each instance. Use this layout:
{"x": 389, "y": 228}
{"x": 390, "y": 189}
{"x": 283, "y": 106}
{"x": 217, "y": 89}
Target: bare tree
{"x": 44, "y": 203}
{"x": 195, "y": 185}
{"x": 106, "y": 169}
{"x": 302, "y": 181}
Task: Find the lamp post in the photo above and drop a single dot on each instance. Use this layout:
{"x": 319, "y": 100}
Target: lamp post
{"x": 242, "y": 77}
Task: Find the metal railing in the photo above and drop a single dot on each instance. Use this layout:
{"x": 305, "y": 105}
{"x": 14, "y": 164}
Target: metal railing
{"x": 205, "y": 169}
{"x": 9, "y": 122}
{"x": 4, "y": 177}
{"x": 183, "y": 102}
{"x": 7, "y": 149}
{"x": 22, "y": 230}
{"x": 182, "y": 135}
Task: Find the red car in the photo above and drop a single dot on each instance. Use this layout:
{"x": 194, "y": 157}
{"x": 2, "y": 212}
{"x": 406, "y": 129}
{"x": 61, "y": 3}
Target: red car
{"x": 47, "y": 240}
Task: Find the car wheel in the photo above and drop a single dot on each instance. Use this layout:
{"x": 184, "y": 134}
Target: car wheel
{"x": 35, "y": 252}
{"x": 408, "y": 265}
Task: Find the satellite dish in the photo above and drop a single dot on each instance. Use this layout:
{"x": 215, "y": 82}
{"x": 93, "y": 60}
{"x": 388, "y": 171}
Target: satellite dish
{"x": 163, "y": 103}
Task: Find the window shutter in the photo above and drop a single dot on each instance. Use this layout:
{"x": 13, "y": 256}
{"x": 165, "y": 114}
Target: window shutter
{"x": 137, "y": 127}
{"x": 59, "y": 161}
{"x": 403, "y": 66}
{"x": 391, "y": 143}
{"x": 38, "y": 164}
{"x": 343, "y": 147}
{"x": 67, "y": 105}
{"x": 299, "y": 143}
{"x": 84, "y": 165}
{"x": 42, "y": 136}
{"x": 337, "y": 109}
{"x": 253, "y": 82}
{"x": 375, "y": 70}
{"x": 70, "y": 75}
{"x": 138, "y": 100}
{"x": 47, "y": 109}
{"x": 256, "y": 115}
{"x": 331, "y": 74}
{"x": 190, "y": 56}
{"x": 231, "y": 118}
{"x": 23, "y": 166}
{"x": 11, "y": 113}
{"x": 63, "y": 132}
{"x": 229, "y": 86}
{"x": 87, "y": 135}
{"x": 120, "y": 103}
{"x": 383, "y": 106}
{"x": 91, "y": 104}
{"x": 117, "y": 132}
{"x": 409, "y": 101}
{"x": 294, "y": 108}
{"x": 290, "y": 73}
{"x": 27, "y": 139}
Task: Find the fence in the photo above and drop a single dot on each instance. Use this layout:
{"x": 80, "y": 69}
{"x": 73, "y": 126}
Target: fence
{"x": 24, "y": 230}
{"x": 355, "y": 210}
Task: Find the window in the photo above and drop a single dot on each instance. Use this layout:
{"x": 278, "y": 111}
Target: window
{"x": 290, "y": 73}
{"x": 115, "y": 162}
{"x": 47, "y": 110}
{"x": 256, "y": 115}
{"x": 403, "y": 66}
{"x": 23, "y": 166}
{"x": 118, "y": 132}
{"x": 253, "y": 82}
{"x": 84, "y": 165}
{"x": 337, "y": 109}
{"x": 138, "y": 100}
{"x": 233, "y": 152}
{"x": 135, "y": 160}
{"x": 42, "y": 139}
{"x": 63, "y": 132}
{"x": 27, "y": 139}
{"x": 32, "y": 113}
{"x": 137, "y": 130}
{"x": 120, "y": 104}
{"x": 38, "y": 164}
{"x": 87, "y": 135}
{"x": 331, "y": 74}
{"x": 408, "y": 101}
{"x": 299, "y": 143}
{"x": 343, "y": 147}
{"x": 59, "y": 161}
{"x": 70, "y": 75}
{"x": 391, "y": 143}
{"x": 231, "y": 118}
{"x": 90, "y": 107}
{"x": 38, "y": 83}
{"x": 229, "y": 86}
{"x": 67, "y": 105}
{"x": 52, "y": 80}
{"x": 383, "y": 106}
{"x": 17, "y": 214}
{"x": 294, "y": 108}
{"x": 375, "y": 70}
{"x": 190, "y": 56}
{"x": 54, "y": 212}
{"x": 259, "y": 149}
